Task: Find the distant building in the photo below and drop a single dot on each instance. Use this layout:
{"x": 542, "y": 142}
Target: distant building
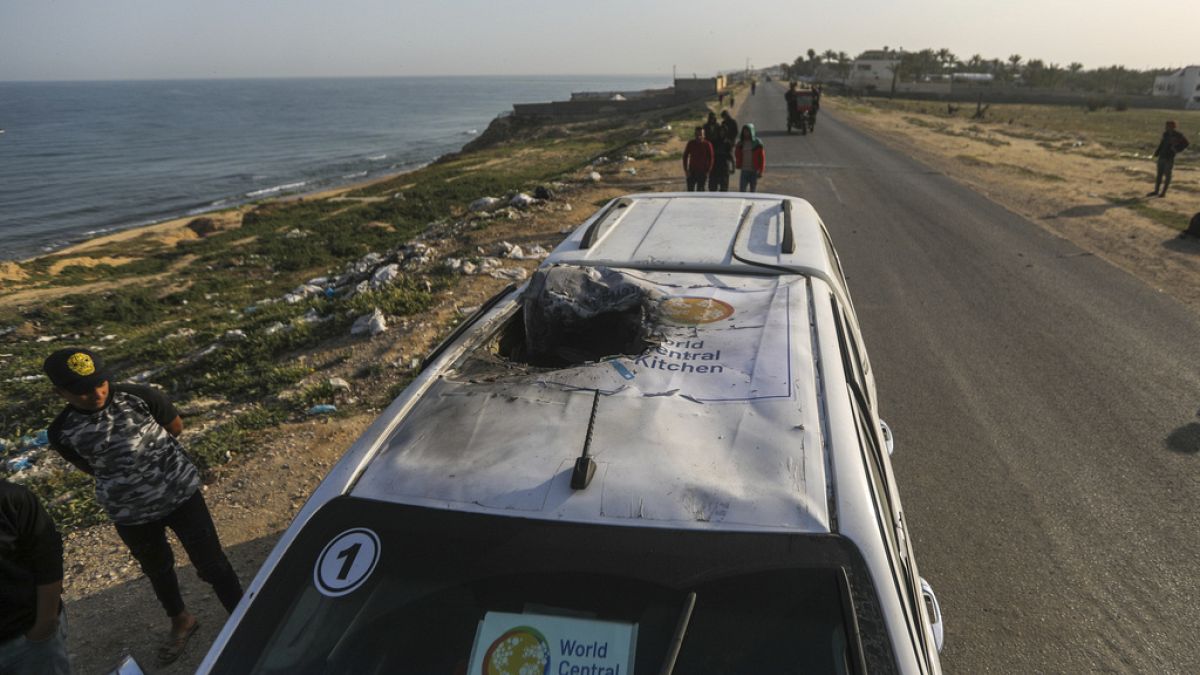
{"x": 1183, "y": 84}
{"x": 873, "y": 69}
{"x": 699, "y": 87}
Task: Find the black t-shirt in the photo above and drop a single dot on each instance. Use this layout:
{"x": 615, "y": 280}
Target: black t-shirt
{"x": 31, "y": 555}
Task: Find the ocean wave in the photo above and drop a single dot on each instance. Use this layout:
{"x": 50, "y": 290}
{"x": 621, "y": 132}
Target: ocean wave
{"x": 376, "y": 158}
{"x": 356, "y": 174}
{"x": 471, "y": 132}
{"x": 277, "y": 188}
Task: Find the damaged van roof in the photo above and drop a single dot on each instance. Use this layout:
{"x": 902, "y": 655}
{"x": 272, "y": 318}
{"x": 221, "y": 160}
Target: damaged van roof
{"x": 716, "y": 424}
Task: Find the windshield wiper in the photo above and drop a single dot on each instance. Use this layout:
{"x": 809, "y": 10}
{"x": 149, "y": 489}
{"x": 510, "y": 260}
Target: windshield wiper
{"x": 680, "y": 629}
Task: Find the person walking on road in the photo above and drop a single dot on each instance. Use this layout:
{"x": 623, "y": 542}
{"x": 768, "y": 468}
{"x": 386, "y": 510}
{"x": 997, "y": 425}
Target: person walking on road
{"x": 718, "y": 178}
{"x": 751, "y": 157}
{"x": 1172, "y": 143}
{"x": 730, "y": 126}
{"x": 126, "y": 436}
{"x": 33, "y": 627}
{"x": 697, "y": 161}
{"x": 710, "y": 126}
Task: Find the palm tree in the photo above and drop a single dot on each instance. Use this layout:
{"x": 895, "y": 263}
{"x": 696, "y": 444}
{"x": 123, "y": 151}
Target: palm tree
{"x": 945, "y": 57}
{"x": 844, "y": 61}
{"x": 975, "y": 62}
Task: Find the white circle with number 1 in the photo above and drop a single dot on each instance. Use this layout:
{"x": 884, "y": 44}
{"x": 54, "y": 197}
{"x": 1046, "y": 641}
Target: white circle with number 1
{"x": 346, "y": 562}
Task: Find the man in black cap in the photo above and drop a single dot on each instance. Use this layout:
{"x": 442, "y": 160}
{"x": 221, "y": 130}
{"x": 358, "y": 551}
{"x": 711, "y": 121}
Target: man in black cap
{"x": 125, "y": 436}
{"x": 33, "y": 630}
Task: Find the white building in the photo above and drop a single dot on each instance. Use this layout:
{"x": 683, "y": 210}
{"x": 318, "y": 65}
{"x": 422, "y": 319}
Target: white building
{"x": 1182, "y": 84}
{"x": 873, "y": 69}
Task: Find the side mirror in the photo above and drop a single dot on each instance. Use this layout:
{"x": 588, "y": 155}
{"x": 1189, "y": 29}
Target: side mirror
{"x": 888, "y": 440}
{"x": 935, "y": 614}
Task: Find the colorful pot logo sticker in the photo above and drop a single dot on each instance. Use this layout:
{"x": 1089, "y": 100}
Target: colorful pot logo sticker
{"x": 691, "y": 311}
{"x": 520, "y": 651}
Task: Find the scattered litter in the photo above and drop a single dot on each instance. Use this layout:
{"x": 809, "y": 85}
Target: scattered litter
{"x": 544, "y": 193}
{"x": 511, "y": 273}
{"x": 235, "y": 334}
{"x": 594, "y": 177}
{"x": 385, "y": 275}
{"x": 25, "y": 378}
{"x": 469, "y": 268}
{"x": 631, "y": 171}
{"x": 322, "y": 409}
{"x": 46, "y": 338}
{"x": 19, "y": 463}
{"x": 600, "y": 161}
{"x": 339, "y": 384}
{"x": 182, "y": 333}
{"x": 484, "y": 204}
{"x": 467, "y": 311}
{"x": 108, "y": 338}
{"x": 40, "y": 439}
{"x": 521, "y": 201}
{"x": 296, "y": 234}
{"x": 318, "y": 281}
{"x": 274, "y": 328}
{"x": 372, "y": 323}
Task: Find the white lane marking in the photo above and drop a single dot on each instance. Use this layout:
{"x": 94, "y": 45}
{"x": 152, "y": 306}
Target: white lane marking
{"x": 835, "y": 190}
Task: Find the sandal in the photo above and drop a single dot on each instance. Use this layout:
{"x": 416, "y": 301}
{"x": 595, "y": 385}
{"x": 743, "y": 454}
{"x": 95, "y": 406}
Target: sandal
{"x": 172, "y": 647}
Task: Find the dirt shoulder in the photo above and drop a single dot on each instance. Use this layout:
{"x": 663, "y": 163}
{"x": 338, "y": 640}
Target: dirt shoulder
{"x": 1069, "y": 184}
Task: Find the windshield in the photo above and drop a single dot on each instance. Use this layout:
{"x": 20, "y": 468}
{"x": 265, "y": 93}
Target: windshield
{"x": 381, "y": 588}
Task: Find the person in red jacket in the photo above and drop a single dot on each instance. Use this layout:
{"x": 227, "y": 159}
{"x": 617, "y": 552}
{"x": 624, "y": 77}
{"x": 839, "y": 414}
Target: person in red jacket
{"x": 697, "y": 161}
{"x": 749, "y": 156}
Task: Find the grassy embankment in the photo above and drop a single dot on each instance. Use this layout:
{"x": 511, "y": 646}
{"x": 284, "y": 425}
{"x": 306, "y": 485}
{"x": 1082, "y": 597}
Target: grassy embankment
{"x": 1107, "y": 134}
{"x": 168, "y": 309}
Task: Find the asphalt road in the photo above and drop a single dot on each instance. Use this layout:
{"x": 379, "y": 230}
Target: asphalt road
{"x": 1045, "y": 409}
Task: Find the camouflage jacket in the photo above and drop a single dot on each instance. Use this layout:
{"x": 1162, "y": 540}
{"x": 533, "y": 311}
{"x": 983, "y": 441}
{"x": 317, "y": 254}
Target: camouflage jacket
{"x": 142, "y": 473}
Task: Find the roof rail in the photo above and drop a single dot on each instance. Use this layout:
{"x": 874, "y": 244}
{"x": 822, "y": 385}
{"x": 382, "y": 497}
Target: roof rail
{"x": 789, "y": 239}
{"x": 589, "y": 237}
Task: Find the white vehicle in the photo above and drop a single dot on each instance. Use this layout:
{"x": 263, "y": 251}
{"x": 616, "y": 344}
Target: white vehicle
{"x": 661, "y": 454}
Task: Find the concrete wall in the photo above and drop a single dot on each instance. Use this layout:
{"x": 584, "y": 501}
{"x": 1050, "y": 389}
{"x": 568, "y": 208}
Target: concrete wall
{"x": 584, "y": 109}
{"x": 700, "y": 87}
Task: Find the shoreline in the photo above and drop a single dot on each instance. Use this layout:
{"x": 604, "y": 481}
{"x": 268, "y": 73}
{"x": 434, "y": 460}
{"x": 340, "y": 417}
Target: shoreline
{"x": 177, "y": 224}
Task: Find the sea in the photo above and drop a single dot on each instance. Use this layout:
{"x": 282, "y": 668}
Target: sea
{"x": 82, "y": 159}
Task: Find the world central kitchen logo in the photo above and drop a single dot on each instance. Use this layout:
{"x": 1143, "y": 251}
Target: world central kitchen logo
{"x": 524, "y": 651}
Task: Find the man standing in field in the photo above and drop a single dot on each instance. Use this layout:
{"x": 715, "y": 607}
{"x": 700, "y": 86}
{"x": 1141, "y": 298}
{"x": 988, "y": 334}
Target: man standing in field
{"x": 1172, "y": 143}
{"x": 697, "y": 161}
{"x": 125, "y": 436}
{"x": 33, "y": 629}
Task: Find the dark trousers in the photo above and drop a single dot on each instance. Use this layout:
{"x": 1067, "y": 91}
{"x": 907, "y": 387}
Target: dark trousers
{"x": 1165, "y": 166}
{"x": 718, "y": 180}
{"x": 696, "y": 180}
{"x": 193, "y": 525}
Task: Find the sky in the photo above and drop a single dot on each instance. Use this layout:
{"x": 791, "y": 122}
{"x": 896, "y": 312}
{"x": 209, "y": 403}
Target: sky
{"x": 167, "y": 39}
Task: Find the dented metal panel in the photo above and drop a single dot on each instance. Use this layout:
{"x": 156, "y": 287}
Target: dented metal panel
{"x": 714, "y": 425}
